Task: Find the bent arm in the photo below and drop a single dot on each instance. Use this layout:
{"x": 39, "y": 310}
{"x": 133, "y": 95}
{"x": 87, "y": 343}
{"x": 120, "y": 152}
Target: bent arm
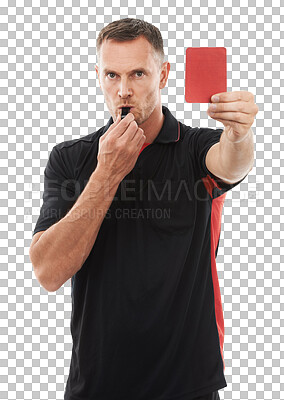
{"x": 63, "y": 248}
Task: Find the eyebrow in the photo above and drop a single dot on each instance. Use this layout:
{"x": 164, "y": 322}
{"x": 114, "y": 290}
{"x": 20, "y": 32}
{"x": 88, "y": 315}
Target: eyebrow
{"x": 105, "y": 70}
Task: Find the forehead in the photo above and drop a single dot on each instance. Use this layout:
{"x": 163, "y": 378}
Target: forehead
{"x": 121, "y": 55}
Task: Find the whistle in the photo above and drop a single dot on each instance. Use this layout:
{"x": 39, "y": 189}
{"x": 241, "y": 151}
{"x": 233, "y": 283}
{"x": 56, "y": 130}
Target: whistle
{"x": 124, "y": 112}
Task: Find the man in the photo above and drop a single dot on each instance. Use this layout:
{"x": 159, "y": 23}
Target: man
{"x": 132, "y": 213}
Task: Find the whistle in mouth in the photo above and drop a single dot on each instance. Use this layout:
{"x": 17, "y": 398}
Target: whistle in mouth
{"x": 124, "y": 112}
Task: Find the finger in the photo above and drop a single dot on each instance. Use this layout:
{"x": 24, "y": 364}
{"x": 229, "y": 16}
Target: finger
{"x": 141, "y": 141}
{"x": 235, "y": 125}
{"x": 112, "y": 126}
{"x": 130, "y": 134}
{"x": 139, "y": 134}
{"x": 124, "y": 125}
{"x": 238, "y": 106}
{"x": 115, "y": 123}
{"x": 226, "y": 97}
{"x": 240, "y": 118}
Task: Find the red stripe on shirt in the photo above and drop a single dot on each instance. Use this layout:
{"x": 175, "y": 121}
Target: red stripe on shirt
{"x": 209, "y": 184}
{"x": 143, "y": 147}
{"x": 216, "y": 216}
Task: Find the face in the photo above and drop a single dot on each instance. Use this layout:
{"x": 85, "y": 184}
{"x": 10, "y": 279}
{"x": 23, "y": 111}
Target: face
{"x": 129, "y": 74}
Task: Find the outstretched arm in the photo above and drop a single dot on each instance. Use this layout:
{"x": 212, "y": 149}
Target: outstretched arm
{"x": 233, "y": 156}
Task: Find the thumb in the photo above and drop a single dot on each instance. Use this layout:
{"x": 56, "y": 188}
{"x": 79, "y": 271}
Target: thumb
{"x": 113, "y": 125}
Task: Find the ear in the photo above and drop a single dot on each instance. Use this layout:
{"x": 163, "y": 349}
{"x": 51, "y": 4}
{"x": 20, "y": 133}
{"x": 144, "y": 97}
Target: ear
{"x": 98, "y": 73}
{"x": 164, "y": 74}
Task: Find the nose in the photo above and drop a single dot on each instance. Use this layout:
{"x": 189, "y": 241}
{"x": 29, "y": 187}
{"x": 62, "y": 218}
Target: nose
{"x": 124, "y": 89}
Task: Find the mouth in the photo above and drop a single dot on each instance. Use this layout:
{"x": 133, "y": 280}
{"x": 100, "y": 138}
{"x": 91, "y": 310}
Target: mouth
{"x": 126, "y": 106}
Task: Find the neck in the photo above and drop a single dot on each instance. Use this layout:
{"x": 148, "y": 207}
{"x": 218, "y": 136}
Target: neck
{"x": 153, "y": 125}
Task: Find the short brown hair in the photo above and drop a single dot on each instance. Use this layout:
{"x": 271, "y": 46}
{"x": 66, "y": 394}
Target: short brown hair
{"x": 130, "y": 29}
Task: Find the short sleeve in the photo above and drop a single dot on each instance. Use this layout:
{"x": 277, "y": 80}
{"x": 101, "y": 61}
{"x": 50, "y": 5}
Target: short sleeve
{"x": 59, "y": 192}
{"x": 204, "y": 138}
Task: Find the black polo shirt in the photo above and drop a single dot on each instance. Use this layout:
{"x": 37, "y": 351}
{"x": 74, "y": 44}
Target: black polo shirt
{"x": 147, "y": 319}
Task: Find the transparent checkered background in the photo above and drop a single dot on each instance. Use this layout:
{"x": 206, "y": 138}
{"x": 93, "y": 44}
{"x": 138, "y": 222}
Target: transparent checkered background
{"x": 50, "y": 93}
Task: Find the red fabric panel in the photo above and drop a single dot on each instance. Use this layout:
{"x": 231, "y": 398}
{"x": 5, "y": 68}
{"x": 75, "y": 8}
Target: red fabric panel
{"x": 216, "y": 216}
{"x": 143, "y": 147}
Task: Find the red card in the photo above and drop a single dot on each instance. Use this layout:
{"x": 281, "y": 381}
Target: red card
{"x": 205, "y": 73}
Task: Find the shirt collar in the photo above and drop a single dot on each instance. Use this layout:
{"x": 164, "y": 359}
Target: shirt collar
{"x": 170, "y": 131}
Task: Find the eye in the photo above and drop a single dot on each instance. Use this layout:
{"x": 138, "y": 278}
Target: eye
{"x": 139, "y": 72}
{"x": 110, "y": 73}
{"x": 136, "y": 72}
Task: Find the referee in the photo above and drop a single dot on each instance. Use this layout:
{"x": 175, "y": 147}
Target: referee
{"x": 132, "y": 214}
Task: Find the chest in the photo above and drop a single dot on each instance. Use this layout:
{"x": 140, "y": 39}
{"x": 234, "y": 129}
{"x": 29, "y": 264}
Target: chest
{"x": 157, "y": 194}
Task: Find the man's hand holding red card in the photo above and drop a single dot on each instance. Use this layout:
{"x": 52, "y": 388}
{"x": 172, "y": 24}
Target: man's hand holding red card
{"x": 206, "y": 76}
{"x": 236, "y": 111}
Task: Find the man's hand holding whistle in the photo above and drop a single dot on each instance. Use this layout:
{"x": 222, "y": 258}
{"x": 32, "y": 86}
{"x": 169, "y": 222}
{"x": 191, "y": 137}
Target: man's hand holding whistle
{"x": 120, "y": 145}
